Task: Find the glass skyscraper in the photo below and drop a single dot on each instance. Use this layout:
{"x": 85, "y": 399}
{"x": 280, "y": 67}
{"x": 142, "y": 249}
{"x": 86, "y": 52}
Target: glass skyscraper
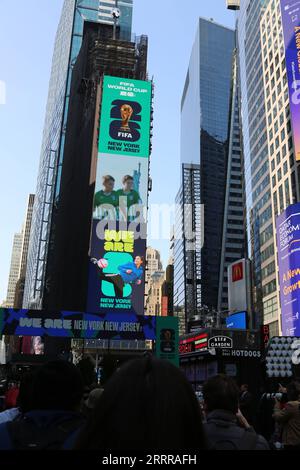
{"x": 67, "y": 46}
{"x": 211, "y": 172}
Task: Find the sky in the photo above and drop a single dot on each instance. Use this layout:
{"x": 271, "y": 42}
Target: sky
{"x": 27, "y": 33}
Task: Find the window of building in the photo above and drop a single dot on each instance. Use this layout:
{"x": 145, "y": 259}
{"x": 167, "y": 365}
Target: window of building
{"x": 273, "y": 165}
{"x": 281, "y": 201}
{"x": 278, "y": 158}
{"x": 279, "y": 174}
{"x": 287, "y": 192}
{"x": 275, "y": 203}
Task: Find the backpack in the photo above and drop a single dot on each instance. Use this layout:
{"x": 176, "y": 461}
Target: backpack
{"x": 247, "y": 441}
{"x": 26, "y": 435}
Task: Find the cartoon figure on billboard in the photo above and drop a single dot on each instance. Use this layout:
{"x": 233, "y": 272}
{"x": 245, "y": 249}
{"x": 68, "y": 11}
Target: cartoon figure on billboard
{"x": 126, "y": 113}
{"x": 129, "y": 273}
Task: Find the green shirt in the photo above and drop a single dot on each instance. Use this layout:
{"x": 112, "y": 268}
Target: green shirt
{"x": 102, "y": 198}
{"x": 133, "y": 197}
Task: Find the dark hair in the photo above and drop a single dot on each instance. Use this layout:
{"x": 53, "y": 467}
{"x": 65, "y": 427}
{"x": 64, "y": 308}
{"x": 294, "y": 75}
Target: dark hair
{"x": 126, "y": 178}
{"x": 57, "y": 385}
{"x": 293, "y": 391}
{"x": 24, "y": 400}
{"x": 221, "y": 393}
{"x": 147, "y": 405}
{"x": 141, "y": 257}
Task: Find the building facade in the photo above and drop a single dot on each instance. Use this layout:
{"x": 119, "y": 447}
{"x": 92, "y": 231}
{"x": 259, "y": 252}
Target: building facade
{"x": 153, "y": 264}
{"x": 211, "y": 195}
{"x": 154, "y": 297}
{"x": 14, "y": 269}
{"x": 283, "y": 168}
{"x": 271, "y": 174}
{"x": 67, "y": 46}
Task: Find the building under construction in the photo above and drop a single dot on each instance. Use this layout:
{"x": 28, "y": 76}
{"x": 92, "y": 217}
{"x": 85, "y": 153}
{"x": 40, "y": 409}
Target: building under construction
{"x": 67, "y": 265}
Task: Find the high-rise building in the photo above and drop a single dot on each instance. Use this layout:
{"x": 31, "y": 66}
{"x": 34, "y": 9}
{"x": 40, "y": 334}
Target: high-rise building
{"x": 256, "y": 166}
{"x": 154, "y": 297}
{"x": 283, "y": 168}
{"x": 68, "y": 266}
{"x": 210, "y": 199}
{"x": 19, "y": 291}
{"x": 271, "y": 176}
{"x": 14, "y": 269}
{"x": 67, "y": 46}
{"x": 153, "y": 264}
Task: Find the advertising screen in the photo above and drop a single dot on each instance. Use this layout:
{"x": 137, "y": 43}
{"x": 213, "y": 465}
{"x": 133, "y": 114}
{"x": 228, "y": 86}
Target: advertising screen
{"x": 288, "y": 246}
{"x": 62, "y": 324}
{"x": 238, "y": 321}
{"x": 117, "y": 270}
{"x": 125, "y": 117}
{"x": 118, "y": 239}
{"x": 290, "y": 12}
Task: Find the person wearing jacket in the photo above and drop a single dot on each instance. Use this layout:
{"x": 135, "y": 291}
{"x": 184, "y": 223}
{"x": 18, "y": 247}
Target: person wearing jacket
{"x": 53, "y": 419}
{"x": 289, "y": 417}
{"x": 129, "y": 273}
{"x": 226, "y": 428}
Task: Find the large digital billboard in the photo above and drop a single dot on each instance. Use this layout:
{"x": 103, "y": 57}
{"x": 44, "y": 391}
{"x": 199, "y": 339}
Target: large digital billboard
{"x": 288, "y": 246}
{"x": 62, "y": 324}
{"x": 118, "y": 239}
{"x": 117, "y": 270}
{"x": 125, "y": 117}
{"x": 290, "y": 13}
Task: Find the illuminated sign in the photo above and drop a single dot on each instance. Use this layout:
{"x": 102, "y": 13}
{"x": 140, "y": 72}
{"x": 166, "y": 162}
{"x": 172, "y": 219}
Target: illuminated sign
{"x": 220, "y": 342}
{"x": 288, "y": 246}
{"x": 193, "y": 344}
{"x": 167, "y": 339}
{"x": 290, "y": 14}
{"x": 125, "y": 117}
{"x": 118, "y": 241}
{"x": 265, "y": 336}
{"x": 116, "y": 271}
{"x": 237, "y": 321}
{"x": 237, "y": 272}
{"x": 72, "y": 325}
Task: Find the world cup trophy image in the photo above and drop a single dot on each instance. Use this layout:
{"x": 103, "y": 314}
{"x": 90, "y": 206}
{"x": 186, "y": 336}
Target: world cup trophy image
{"x": 126, "y": 113}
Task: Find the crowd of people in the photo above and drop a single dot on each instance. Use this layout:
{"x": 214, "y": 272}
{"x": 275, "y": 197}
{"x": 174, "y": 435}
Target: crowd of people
{"x": 147, "y": 404}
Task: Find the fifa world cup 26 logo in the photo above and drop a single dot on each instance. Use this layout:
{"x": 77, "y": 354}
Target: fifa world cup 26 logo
{"x": 126, "y": 121}
{"x": 126, "y": 113}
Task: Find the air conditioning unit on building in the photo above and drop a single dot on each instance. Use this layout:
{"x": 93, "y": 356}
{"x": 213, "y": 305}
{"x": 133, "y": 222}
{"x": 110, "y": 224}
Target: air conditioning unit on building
{"x": 233, "y": 4}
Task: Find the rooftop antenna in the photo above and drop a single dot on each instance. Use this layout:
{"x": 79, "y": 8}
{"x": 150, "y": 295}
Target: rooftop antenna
{"x": 116, "y": 15}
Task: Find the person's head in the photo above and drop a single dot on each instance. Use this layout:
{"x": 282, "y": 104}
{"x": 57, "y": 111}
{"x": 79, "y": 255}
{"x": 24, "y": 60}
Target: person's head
{"x": 293, "y": 391}
{"x": 57, "y": 385}
{"x": 93, "y": 398}
{"x": 138, "y": 261}
{"x": 127, "y": 183}
{"x": 244, "y": 388}
{"x": 24, "y": 400}
{"x": 108, "y": 183}
{"x": 148, "y": 404}
{"x": 126, "y": 113}
{"x": 221, "y": 393}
